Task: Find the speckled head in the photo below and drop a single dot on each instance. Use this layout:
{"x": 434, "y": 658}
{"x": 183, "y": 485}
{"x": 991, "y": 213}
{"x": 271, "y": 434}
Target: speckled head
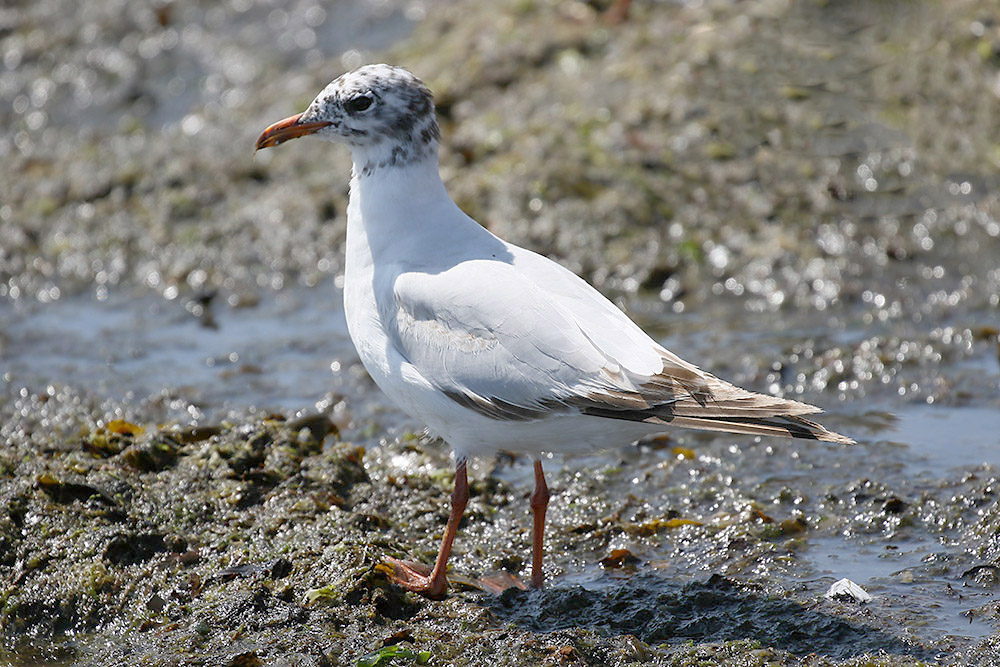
{"x": 385, "y": 113}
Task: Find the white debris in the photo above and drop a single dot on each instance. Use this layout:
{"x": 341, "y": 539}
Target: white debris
{"x": 846, "y": 590}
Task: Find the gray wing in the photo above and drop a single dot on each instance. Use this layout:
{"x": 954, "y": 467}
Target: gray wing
{"x": 526, "y": 340}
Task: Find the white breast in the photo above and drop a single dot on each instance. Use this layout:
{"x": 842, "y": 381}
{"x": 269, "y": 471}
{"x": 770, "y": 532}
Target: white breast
{"x": 367, "y": 282}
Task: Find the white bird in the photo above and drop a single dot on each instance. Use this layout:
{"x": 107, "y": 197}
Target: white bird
{"x": 490, "y": 345}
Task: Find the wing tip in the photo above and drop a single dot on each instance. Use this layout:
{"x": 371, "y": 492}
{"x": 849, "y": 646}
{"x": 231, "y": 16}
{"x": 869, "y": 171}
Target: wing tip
{"x": 836, "y": 438}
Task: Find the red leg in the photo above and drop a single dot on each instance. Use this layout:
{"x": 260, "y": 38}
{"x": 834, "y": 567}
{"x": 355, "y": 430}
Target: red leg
{"x": 539, "y": 503}
{"x": 618, "y": 12}
{"x": 413, "y": 576}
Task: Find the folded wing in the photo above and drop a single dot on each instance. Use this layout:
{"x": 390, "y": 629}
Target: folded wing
{"x": 529, "y": 339}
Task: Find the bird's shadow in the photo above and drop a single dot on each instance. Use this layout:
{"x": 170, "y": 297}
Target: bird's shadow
{"x": 658, "y": 610}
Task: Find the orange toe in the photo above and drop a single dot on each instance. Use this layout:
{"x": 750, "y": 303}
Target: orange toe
{"x": 416, "y": 577}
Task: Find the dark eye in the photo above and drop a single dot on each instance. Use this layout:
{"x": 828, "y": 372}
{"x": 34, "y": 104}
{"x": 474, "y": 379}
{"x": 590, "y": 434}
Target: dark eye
{"x": 359, "y": 103}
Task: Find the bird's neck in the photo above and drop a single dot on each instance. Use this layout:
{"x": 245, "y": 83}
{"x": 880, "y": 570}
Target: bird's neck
{"x": 388, "y": 203}
{"x": 412, "y": 149}
{"x": 401, "y": 187}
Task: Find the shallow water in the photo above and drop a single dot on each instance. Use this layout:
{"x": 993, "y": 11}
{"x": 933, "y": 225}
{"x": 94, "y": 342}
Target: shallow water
{"x": 938, "y": 440}
{"x": 941, "y": 606}
{"x": 286, "y": 353}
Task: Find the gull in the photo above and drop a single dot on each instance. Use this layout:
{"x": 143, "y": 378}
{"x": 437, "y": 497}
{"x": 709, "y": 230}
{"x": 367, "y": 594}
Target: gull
{"x": 493, "y": 346}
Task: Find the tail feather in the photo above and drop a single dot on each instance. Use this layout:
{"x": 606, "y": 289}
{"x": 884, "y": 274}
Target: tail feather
{"x": 778, "y": 420}
{"x": 787, "y": 427}
{"x": 684, "y": 395}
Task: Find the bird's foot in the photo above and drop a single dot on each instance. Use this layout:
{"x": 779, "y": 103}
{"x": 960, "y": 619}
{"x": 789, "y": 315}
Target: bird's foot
{"x": 416, "y": 577}
{"x": 498, "y": 582}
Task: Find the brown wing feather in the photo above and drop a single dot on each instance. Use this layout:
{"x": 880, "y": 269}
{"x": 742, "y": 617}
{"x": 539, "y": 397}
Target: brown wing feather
{"x": 683, "y": 395}
{"x": 680, "y": 395}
